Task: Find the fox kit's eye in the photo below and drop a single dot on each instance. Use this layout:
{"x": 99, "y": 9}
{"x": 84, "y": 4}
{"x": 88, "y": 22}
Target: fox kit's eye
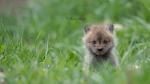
{"x": 105, "y": 41}
{"x": 94, "y": 42}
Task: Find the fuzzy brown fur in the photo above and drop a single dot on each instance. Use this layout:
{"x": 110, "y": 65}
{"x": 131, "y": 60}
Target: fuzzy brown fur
{"x": 99, "y": 43}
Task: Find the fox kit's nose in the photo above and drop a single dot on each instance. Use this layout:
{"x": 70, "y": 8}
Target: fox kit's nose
{"x": 100, "y": 49}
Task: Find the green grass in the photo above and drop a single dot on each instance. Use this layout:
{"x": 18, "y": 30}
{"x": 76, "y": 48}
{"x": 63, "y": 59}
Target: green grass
{"x": 43, "y": 44}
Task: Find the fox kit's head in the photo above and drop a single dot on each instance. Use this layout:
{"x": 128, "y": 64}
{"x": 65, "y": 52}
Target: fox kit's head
{"x": 99, "y": 38}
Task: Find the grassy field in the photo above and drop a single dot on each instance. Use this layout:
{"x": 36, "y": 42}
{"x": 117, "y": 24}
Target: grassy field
{"x": 42, "y": 44}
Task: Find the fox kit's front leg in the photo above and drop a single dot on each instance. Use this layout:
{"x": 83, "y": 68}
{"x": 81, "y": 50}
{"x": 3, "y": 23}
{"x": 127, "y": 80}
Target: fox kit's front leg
{"x": 114, "y": 60}
{"x": 87, "y": 62}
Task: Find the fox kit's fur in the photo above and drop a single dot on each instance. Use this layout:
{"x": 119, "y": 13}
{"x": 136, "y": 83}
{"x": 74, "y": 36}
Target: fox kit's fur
{"x": 99, "y": 45}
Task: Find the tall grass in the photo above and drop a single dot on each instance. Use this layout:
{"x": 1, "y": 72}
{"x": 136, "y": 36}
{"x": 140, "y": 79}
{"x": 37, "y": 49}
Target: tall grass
{"x": 42, "y": 44}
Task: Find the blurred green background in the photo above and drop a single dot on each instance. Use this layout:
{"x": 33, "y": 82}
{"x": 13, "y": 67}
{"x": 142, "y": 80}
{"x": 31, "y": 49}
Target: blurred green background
{"x": 41, "y": 40}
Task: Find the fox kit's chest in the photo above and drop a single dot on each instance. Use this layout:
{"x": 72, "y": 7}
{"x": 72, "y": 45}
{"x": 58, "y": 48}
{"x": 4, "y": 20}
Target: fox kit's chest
{"x": 101, "y": 58}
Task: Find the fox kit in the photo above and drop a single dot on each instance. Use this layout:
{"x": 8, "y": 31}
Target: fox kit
{"x": 99, "y": 45}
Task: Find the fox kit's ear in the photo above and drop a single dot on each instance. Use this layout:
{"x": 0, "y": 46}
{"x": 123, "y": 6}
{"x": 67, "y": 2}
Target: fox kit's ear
{"x": 111, "y": 27}
{"x": 86, "y": 29}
